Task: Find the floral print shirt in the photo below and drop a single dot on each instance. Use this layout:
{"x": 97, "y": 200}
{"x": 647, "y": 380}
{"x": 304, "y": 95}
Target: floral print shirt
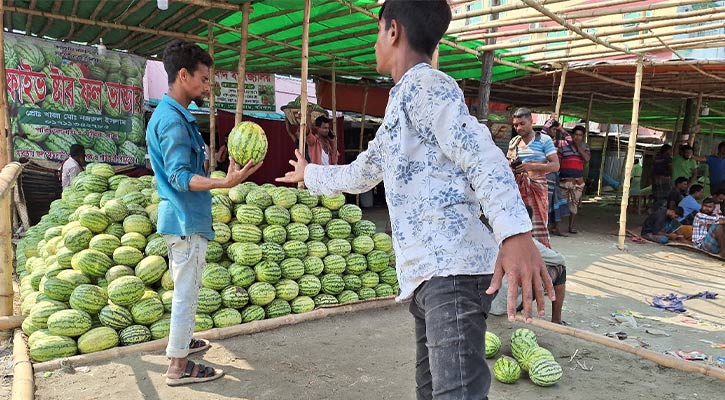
{"x": 440, "y": 167}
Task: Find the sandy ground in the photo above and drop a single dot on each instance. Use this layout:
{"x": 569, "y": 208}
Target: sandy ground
{"x": 370, "y": 355}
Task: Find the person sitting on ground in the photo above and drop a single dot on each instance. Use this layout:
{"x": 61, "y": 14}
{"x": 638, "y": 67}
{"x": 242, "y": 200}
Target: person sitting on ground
{"x": 556, "y": 266}
{"x": 678, "y": 192}
{"x": 707, "y": 232}
{"x": 661, "y": 226}
{"x": 691, "y": 204}
{"x": 73, "y": 165}
{"x": 718, "y": 195}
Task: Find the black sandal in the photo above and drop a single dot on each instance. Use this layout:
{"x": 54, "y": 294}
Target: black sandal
{"x": 197, "y": 345}
{"x": 204, "y": 374}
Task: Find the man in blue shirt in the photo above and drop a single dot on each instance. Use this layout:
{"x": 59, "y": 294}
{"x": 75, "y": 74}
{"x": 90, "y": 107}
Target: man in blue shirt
{"x": 691, "y": 204}
{"x": 177, "y": 156}
{"x": 716, "y": 165}
{"x": 430, "y": 153}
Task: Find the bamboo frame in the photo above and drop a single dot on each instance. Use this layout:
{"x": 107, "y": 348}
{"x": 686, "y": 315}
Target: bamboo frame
{"x": 6, "y": 144}
{"x": 334, "y": 110}
{"x": 700, "y": 70}
{"x": 220, "y": 333}
{"x": 23, "y": 377}
{"x": 631, "y": 147}
{"x": 212, "y": 103}
{"x": 496, "y": 9}
{"x": 603, "y": 162}
{"x": 589, "y": 117}
{"x": 220, "y": 4}
{"x": 560, "y": 95}
{"x": 8, "y": 176}
{"x": 362, "y": 131}
{"x": 691, "y": 135}
{"x": 435, "y": 60}
{"x": 677, "y": 135}
{"x": 658, "y": 358}
{"x": 113, "y": 15}
{"x": 304, "y": 108}
{"x": 242, "y": 72}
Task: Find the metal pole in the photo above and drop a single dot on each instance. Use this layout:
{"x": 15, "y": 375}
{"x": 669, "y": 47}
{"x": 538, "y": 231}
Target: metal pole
{"x": 631, "y": 147}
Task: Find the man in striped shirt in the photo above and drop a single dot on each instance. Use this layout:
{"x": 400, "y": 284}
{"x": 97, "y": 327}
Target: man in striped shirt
{"x": 572, "y": 159}
{"x": 707, "y": 229}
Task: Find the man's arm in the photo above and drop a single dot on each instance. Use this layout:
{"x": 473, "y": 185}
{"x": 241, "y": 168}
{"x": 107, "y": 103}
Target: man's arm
{"x": 585, "y": 153}
{"x": 551, "y": 166}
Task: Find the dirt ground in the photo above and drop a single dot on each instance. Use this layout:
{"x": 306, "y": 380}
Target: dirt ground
{"x": 370, "y": 355}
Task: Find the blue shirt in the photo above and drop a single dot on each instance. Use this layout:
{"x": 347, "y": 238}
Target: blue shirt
{"x": 440, "y": 167}
{"x": 689, "y": 205}
{"x": 177, "y": 153}
{"x": 537, "y": 150}
{"x": 717, "y": 170}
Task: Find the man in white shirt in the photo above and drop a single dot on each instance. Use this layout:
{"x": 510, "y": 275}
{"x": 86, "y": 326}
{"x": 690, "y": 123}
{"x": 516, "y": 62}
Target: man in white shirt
{"x": 73, "y": 165}
{"x": 430, "y": 153}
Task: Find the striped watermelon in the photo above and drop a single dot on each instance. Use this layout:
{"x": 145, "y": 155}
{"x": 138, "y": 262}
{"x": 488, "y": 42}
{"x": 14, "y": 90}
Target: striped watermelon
{"x": 245, "y": 253}
{"x": 115, "y": 210}
{"x": 216, "y": 277}
{"x": 277, "y": 308}
{"x": 332, "y": 284}
{"x": 286, "y": 289}
{"x": 134, "y": 239}
{"x": 252, "y": 312}
{"x": 350, "y": 213}
{"x": 97, "y": 339}
{"x": 292, "y": 268}
{"x": 92, "y": 199}
{"x": 50, "y": 346}
{"x": 115, "y": 229}
{"x": 167, "y": 280}
{"x": 545, "y": 372}
{"x": 105, "y": 243}
{"x": 313, "y": 265}
{"x": 493, "y": 344}
{"x": 261, "y": 293}
{"x": 352, "y": 282}
{"x": 238, "y": 194}
{"x": 366, "y": 293}
{"x": 378, "y": 260}
{"x": 524, "y": 332}
{"x": 334, "y": 264}
{"x": 302, "y": 304}
{"x": 247, "y": 142}
{"x": 64, "y": 255}
{"x": 389, "y": 276}
{"x": 235, "y": 297}
{"x": 275, "y": 234}
{"x": 57, "y": 289}
{"x": 246, "y": 233}
{"x": 127, "y": 255}
{"x": 147, "y": 311}
{"x": 273, "y": 252}
{"x": 384, "y": 290}
{"x": 333, "y": 202}
{"x": 347, "y": 296}
{"x": 157, "y": 247}
{"x": 276, "y": 215}
{"x": 167, "y": 299}
{"x": 340, "y": 247}
{"x": 304, "y": 197}
{"x": 300, "y": 213}
{"x": 317, "y": 231}
{"x": 321, "y": 215}
{"x": 249, "y": 214}
{"x": 151, "y": 269}
{"x": 88, "y": 298}
{"x": 363, "y": 245}
{"x": 364, "y": 228}
{"x": 284, "y": 197}
{"x": 214, "y": 251}
{"x": 242, "y": 275}
{"x": 77, "y": 238}
{"x": 356, "y": 264}
{"x": 91, "y": 262}
{"x": 383, "y": 241}
{"x": 28, "y": 327}
{"x": 298, "y": 231}
{"x": 94, "y": 183}
{"x": 138, "y": 223}
{"x": 519, "y": 344}
{"x": 93, "y": 219}
{"x": 370, "y": 279}
{"x": 203, "y": 322}
{"x": 134, "y": 334}
{"x": 324, "y": 299}
{"x": 209, "y": 301}
{"x": 69, "y": 323}
{"x": 268, "y": 271}
{"x": 226, "y": 317}
{"x": 338, "y": 229}
{"x": 317, "y": 249}
{"x": 118, "y": 271}
{"x": 126, "y": 290}
{"x": 222, "y": 233}
{"x": 160, "y": 329}
{"x": 533, "y": 354}
{"x": 295, "y": 249}
{"x": 260, "y": 198}
{"x": 506, "y": 370}
{"x": 221, "y": 213}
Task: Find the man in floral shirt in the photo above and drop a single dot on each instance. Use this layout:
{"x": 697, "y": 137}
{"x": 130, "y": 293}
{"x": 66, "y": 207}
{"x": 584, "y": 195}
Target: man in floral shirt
{"x": 440, "y": 167}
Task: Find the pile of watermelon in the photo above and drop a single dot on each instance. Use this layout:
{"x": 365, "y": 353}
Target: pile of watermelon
{"x": 542, "y": 368}
{"x": 94, "y": 272}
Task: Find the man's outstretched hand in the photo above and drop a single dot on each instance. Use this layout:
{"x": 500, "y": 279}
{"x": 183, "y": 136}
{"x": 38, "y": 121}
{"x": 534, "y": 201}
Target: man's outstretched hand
{"x": 237, "y": 174}
{"x": 298, "y": 174}
{"x": 521, "y": 262}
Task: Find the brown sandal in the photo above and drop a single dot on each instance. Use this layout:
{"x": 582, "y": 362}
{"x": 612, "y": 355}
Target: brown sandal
{"x": 203, "y": 374}
{"x": 197, "y": 345}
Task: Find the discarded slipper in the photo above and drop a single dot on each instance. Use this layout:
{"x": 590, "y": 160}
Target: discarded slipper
{"x": 203, "y": 374}
{"x": 197, "y": 345}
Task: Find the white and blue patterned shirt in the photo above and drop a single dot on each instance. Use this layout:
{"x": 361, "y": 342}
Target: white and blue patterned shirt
{"x": 440, "y": 168}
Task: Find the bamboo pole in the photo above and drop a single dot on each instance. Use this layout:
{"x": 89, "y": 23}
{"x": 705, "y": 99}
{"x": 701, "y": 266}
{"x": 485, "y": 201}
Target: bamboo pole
{"x": 677, "y": 135}
{"x": 631, "y": 147}
{"x": 497, "y": 8}
{"x": 214, "y": 4}
{"x": 436, "y": 57}
{"x": 362, "y": 131}
{"x": 658, "y": 358}
{"x": 484, "y": 87}
{"x": 589, "y": 117}
{"x": 6, "y": 144}
{"x": 11, "y": 322}
{"x": 602, "y": 164}
{"x": 8, "y": 177}
{"x": 242, "y": 73}
{"x": 700, "y": 70}
{"x": 212, "y": 102}
{"x": 23, "y": 378}
{"x": 691, "y": 132}
{"x": 304, "y": 108}
{"x": 334, "y": 110}
{"x": 221, "y": 333}
{"x": 560, "y": 95}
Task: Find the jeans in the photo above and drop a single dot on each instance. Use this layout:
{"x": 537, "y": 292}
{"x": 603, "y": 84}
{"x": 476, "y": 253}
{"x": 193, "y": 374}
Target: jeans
{"x": 187, "y": 257}
{"x": 450, "y": 327}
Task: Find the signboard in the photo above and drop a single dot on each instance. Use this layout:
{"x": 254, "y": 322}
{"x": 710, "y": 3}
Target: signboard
{"x": 258, "y": 91}
{"x": 60, "y": 94}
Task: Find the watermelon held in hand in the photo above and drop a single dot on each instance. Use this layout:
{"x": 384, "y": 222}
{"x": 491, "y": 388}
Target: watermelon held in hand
{"x": 246, "y": 142}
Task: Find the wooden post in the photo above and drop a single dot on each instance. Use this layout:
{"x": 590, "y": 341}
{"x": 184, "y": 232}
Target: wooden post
{"x": 604, "y": 159}
{"x": 677, "y": 135}
{"x": 560, "y": 96}
{"x": 696, "y": 120}
{"x": 436, "y": 56}
{"x": 23, "y": 378}
{"x": 6, "y": 144}
{"x": 362, "y": 132}
{"x": 487, "y": 59}
{"x": 242, "y": 73}
{"x": 334, "y": 110}
{"x": 632, "y": 146}
{"x": 303, "y": 75}
{"x": 589, "y": 116}
{"x": 6, "y": 227}
{"x": 212, "y": 103}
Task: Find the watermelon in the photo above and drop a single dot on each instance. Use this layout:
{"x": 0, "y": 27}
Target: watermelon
{"x": 533, "y": 354}
{"x": 242, "y": 275}
{"x": 252, "y": 312}
{"x": 321, "y": 215}
{"x": 332, "y": 284}
{"x": 317, "y": 231}
{"x": 316, "y": 249}
{"x": 91, "y": 262}
{"x": 339, "y": 247}
{"x": 134, "y": 239}
{"x": 209, "y": 301}
{"x": 524, "y": 332}
{"x": 286, "y": 289}
{"x": 69, "y": 323}
{"x": 238, "y": 194}
{"x": 276, "y": 215}
{"x": 220, "y": 213}
{"x": 116, "y": 317}
{"x": 384, "y": 290}
{"x": 295, "y": 249}
{"x": 138, "y": 223}
{"x": 313, "y": 265}
{"x": 147, "y": 311}
{"x": 222, "y": 233}
{"x": 126, "y": 290}
{"x": 203, "y": 322}
{"x": 284, "y": 197}
{"x": 275, "y": 234}
{"x": 304, "y": 197}
{"x": 519, "y": 344}
{"x": 160, "y": 329}
{"x": 338, "y": 229}
{"x": 247, "y": 142}
{"x": 216, "y": 277}
{"x": 352, "y": 282}
{"x": 261, "y": 293}
{"x": 157, "y": 247}
{"x": 324, "y": 299}
{"x": 245, "y": 253}
{"x": 366, "y": 293}
{"x": 545, "y": 372}
{"x": 246, "y": 233}
{"x": 268, "y": 271}
{"x": 134, "y": 334}
{"x": 226, "y": 317}
{"x": 333, "y": 202}
{"x": 309, "y": 285}
{"x": 364, "y": 228}
{"x": 28, "y": 327}
{"x": 97, "y": 339}
{"x": 94, "y": 219}
{"x": 151, "y": 269}
{"x": 50, "y": 346}
{"x": 347, "y": 296}
{"x": 115, "y": 229}
{"x": 77, "y": 238}
{"x": 88, "y": 298}
{"x": 167, "y": 280}
{"x": 378, "y": 260}
{"x": 298, "y": 231}
{"x": 105, "y": 243}
{"x": 301, "y": 214}
{"x": 57, "y": 289}
{"x": 249, "y": 214}
{"x": 277, "y": 308}
{"x": 334, "y": 264}
{"x": 235, "y": 297}
{"x": 493, "y": 344}
{"x": 302, "y": 304}
{"x": 273, "y": 252}
{"x": 259, "y": 198}
{"x": 506, "y": 370}
{"x": 356, "y": 264}
{"x": 167, "y": 299}
{"x": 363, "y": 245}
{"x": 370, "y": 279}
{"x": 350, "y": 213}
{"x": 64, "y": 255}
{"x": 118, "y": 271}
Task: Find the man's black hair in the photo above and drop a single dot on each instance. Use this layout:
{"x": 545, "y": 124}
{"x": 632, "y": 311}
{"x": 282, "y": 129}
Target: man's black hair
{"x": 695, "y": 188}
{"x": 665, "y": 147}
{"x": 680, "y": 179}
{"x": 180, "y": 54}
{"x": 322, "y": 120}
{"x": 708, "y": 200}
{"x": 685, "y": 147}
{"x": 522, "y": 113}
{"x": 76, "y": 150}
{"x": 579, "y": 128}
{"x": 721, "y": 147}
{"x": 679, "y": 211}
{"x": 424, "y": 22}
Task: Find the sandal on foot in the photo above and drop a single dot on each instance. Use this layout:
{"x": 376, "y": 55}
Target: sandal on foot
{"x": 197, "y": 345}
{"x": 203, "y": 374}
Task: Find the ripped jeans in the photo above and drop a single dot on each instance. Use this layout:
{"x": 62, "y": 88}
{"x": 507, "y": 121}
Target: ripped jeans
{"x": 450, "y": 327}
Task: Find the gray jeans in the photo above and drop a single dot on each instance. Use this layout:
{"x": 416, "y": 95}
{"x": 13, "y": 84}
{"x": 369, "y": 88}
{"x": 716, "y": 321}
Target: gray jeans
{"x": 450, "y": 327}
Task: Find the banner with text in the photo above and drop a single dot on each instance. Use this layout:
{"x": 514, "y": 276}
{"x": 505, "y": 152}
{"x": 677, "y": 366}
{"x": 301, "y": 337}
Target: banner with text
{"x": 258, "y": 91}
{"x": 60, "y": 94}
